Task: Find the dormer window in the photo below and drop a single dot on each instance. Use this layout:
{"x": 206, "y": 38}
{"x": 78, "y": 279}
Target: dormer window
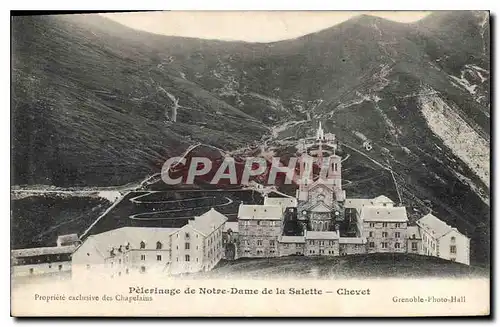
{"x": 159, "y": 246}
{"x": 143, "y": 245}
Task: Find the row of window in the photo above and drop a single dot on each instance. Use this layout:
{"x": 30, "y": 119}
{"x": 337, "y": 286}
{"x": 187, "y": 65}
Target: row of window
{"x": 159, "y": 257}
{"x": 270, "y": 223}
{"x": 261, "y": 252}
{"x": 297, "y": 245}
{"x": 414, "y": 247}
{"x": 320, "y": 225}
{"x": 321, "y": 251}
{"x": 187, "y": 236}
{"x": 32, "y": 270}
{"x": 385, "y": 234}
{"x": 391, "y": 225}
{"x": 321, "y": 243}
{"x": 159, "y": 245}
{"x": 385, "y": 245}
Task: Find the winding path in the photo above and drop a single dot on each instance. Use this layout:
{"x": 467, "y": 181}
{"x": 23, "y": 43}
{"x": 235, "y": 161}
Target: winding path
{"x": 139, "y": 215}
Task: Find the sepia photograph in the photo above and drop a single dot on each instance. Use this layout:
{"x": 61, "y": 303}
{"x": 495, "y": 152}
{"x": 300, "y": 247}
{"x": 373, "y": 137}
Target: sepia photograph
{"x": 236, "y": 163}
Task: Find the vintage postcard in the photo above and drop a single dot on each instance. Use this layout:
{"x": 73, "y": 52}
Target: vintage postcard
{"x": 208, "y": 164}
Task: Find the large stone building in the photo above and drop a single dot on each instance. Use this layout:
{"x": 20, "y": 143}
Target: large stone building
{"x": 259, "y": 227}
{"x": 197, "y": 246}
{"x": 41, "y": 261}
{"x": 331, "y": 224}
{"x": 414, "y": 240}
{"x": 443, "y": 241}
{"x": 322, "y": 243}
{"x": 50, "y": 260}
{"x": 384, "y": 228}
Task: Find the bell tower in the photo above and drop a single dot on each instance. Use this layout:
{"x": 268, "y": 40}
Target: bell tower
{"x": 320, "y": 196}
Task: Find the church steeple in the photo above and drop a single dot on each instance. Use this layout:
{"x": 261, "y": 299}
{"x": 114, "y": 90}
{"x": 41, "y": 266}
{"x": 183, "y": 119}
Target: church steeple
{"x": 320, "y": 134}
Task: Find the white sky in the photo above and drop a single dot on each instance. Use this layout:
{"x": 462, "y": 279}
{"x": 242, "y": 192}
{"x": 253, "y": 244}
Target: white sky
{"x": 256, "y": 26}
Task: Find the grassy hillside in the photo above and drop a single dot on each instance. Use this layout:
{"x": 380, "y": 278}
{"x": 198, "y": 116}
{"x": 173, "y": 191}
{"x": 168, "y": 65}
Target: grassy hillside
{"x": 378, "y": 265}
{"x": 37, "y": 221}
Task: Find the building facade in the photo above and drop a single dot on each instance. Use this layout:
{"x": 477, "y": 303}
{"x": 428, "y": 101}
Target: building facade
{"x": 414, "y": 240}
{"x": 230, "y": 240}
{"x": 322, "y": 212}
{"x": 41, "y": 261}
{"x": 443, "y": 241}
{"x": 322, "y": 243}
{"x": 385, "y": 228}
{"x": 291, "y": 245}
{"x": 197, "y": 246}
{"x": 259, "y": 227}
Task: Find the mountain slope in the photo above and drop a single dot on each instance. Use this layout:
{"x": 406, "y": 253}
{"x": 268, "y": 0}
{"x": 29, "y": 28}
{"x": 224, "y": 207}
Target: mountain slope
{"x": 94, "y": 104}
{"x": 83, "y": 104}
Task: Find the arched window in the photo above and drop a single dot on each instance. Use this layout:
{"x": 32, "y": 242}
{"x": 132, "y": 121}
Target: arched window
{"x": 143, "y": 245}
{"x": 453, "y": 238}
{"x": 159, "y": 246}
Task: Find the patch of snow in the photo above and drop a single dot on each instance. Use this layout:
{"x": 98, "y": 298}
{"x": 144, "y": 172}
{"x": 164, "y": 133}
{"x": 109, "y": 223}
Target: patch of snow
{"x": 275, "y": 130}
{"x": 465, "y": 84}
{"x": 406, "y": 150}
{"x": 457, "y": 135}
{"x": 377, "y": 28}
{"x": 392, "y": 128}
{"x": 477, "y": 68}
{"x": 111, "y": 196}
{"x": 277, "y": 104}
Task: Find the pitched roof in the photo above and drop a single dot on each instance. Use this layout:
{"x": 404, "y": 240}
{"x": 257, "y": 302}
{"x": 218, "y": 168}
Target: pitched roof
{"x": 357, "y": 203}
{"x": 292, "y": 239}
{"x": 323, "y": 207}
{"x": 233, "y": 225}
{"x": 384, "y": 214}
{"x": 413, "y": 230}
{"x": 381, "y": 199}
{"x": 352, "y": 240}
{"x": 69, "y": 238}
{"x": 283, "y": 202}
{"x": 250, "y": 211}
{"x": 31, "y": 252}
{"x": 435, "y": 226}
{"x": 320, "y": 183}
{"x": 208, "y": 222}
{"x": 360, "y": 203}
{"x": 310, "y": 235}
{"x": 132, "y": 236}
